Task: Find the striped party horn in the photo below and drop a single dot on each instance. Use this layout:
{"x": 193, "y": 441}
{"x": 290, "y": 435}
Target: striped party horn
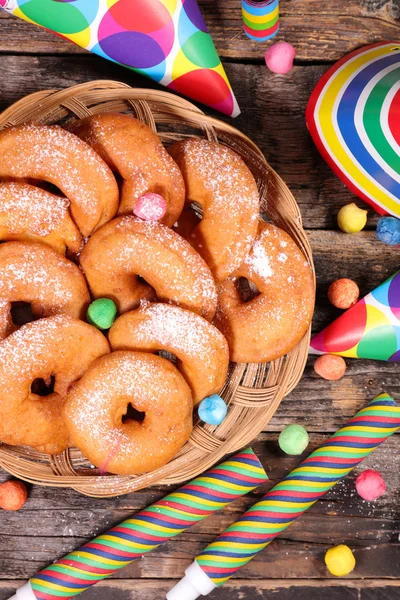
{"x": 260, "y": 19}
{"x": 147, "y": 530}
{"x": 289, "y": 499}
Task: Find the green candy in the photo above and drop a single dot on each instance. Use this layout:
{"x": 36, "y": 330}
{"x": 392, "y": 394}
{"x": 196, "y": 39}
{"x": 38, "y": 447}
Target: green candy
{"x": 293, "y": 439}
{"x": 101, "y": 313}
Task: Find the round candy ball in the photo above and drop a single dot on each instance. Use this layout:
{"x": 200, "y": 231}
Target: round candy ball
{"x": 340, "y": 560}
{"x": 213, "y": 410}
{"x": 293, "y": 439}
{"x": 13, "y": 495}
{"x": 352, "y": 219}
{"x": 279, "y": 58}
{"x": 343, "y": 293}
{"x": 388, "y": 231}
{"x": 330, "y": 367}
{"x": 150, "y": 207}
{"x": 101, "y": 313}
{"x": 370, "y": 485}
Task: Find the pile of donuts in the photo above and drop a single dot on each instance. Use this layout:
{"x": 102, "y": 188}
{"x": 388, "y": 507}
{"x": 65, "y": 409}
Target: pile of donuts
{"x": 224, "y": 286}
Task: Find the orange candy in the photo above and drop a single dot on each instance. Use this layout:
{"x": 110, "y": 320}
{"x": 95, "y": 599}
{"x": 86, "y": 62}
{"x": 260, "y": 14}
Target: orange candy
{"x": 13, "y": 495}
{"x": 330, "y": 366}
{"x": 343, "y": 293}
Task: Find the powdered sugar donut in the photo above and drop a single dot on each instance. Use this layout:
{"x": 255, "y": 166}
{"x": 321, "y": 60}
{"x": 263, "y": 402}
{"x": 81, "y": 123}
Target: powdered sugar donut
{"x": 271, "y": 324}
{"x": 201, "y": 350}
{"x": 98, "y": 419}
{"x": 132, "y": 149}
{"x": 218, "y": 180}
{"x": 38, "y": 275}
{"x": 127, "y": 247}
{"x": 49, "y": 153}
{"x": 59, "y": 347}
{"x": 28, "y": 213}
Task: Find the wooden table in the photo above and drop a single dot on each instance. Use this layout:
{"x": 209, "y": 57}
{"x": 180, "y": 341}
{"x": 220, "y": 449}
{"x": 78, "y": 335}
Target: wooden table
{"x": 57, "y": 521}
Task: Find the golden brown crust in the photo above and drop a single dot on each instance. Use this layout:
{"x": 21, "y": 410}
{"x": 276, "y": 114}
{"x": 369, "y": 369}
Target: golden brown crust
{"x": 59, "y": 346}
{"x": 49, "y": 153}
{"x": 30, "y": 214}
{"x": 37, "y": 274}
{"x": 136, "y": 152}
{"x": 271, "y": 324}
{"x": 201, "y": 350}
{"x": 218, "y": 180}
{"x": 127, "y": 247}
{"x": 97, "y": 403}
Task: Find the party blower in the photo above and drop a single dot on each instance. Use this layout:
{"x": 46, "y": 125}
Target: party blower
{"x": 147, "y": 530}
{"x": 166, "y": 40}
{"x": 289, "y": 499}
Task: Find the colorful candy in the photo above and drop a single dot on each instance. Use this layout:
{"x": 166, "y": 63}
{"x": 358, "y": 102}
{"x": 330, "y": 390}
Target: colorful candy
{"x": 279, "y": 58}
{"x": 150, "y": 207}
{"x": 330, "y": 367}
{"x": 213, "y": 410}
{"x": 370, "y": 485}
{"x": 343, "y": 293}
{"x": 340, "y": 560}
{"x": 102, "y": 313}
{"x": 369, "y": 329}
{"x": 147, "y": 530}
{"x": 388, "y": 231}
{"x": 260, "y": 19}
{"x": 353, "y": 117}
{"x": 166, "y": 40}
{"x": 13, "y": 495}
{"x": 293, "y": 439}
{"x": 290, "y": 498}
{"x": 352, "y": 219}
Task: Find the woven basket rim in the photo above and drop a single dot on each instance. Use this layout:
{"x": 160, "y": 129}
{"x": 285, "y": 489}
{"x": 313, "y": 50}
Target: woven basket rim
{"x": 253, "y": 391}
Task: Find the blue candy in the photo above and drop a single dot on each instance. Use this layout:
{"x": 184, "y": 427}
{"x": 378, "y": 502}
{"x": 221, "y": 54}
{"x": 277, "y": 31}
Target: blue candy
{"x": 388, "y": 231}
{"x": 213, "y": 410}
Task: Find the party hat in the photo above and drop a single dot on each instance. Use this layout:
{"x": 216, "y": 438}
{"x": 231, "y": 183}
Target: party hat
{"x": 354, "y": 118}
{"x": 166, "y": 40}
{"x": 369, "y": 329}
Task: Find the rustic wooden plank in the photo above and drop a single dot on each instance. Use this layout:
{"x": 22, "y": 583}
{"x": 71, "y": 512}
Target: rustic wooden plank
{"x": 319, "y": 30}
{"x": 57, "y": 521}
{"x": 272, "y": 115}
{"x": 239, "y": 589}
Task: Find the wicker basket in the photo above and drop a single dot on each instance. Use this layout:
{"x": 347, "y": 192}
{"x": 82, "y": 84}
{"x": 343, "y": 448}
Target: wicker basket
{"x": 253, "y": 391}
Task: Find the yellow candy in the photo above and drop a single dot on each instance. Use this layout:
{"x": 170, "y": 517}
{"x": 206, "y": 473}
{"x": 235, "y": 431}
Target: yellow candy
{"x": 352, "y": 219}
{"x": 340, "y": 560}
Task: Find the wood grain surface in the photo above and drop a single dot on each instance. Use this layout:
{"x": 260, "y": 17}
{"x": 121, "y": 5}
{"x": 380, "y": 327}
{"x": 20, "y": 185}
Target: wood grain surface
{"x": 54, "y": 522}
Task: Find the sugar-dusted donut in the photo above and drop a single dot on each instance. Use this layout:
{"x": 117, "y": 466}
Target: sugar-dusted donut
{"x": 49, "y": 153}
{"x": 218, "y": 180}
{"x": 59, "y": 348}
{"x": 201, "y": 350}
{"x": 97, "y": 412}
{"x": 36, "y": 274}
{"x": 132, "y": 149}
{"x": 28, "y": 213}
{"x": 127, "y": 247}
{"x": 271, "y": 324}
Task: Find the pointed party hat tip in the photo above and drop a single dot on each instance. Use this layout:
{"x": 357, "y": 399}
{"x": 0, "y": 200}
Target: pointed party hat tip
{"x": 369, "y": 329}
{"x": 168, "y": 41}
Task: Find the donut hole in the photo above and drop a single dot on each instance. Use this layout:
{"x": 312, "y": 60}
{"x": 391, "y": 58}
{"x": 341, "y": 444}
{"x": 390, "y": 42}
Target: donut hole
{"x": 132, "y": 415}
{"x": 21, "y": 313}
{"x": 43, "y": 388}
{"x": 247, "y": 289}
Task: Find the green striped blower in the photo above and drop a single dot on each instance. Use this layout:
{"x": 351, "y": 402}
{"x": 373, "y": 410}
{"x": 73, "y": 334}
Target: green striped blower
{"x": 147, "y": 530}
{"x": 289, "y": 499}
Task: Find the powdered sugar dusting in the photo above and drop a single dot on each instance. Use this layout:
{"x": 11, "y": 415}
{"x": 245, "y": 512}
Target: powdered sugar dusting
{"x": 258, "y": 261}
{"x": 55, "y": 155}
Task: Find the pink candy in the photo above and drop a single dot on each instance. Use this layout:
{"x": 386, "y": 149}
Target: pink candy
{"x": 279, "y": 58}
{"x": 370, "y": 485}
{"x": 150, "y": 207}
